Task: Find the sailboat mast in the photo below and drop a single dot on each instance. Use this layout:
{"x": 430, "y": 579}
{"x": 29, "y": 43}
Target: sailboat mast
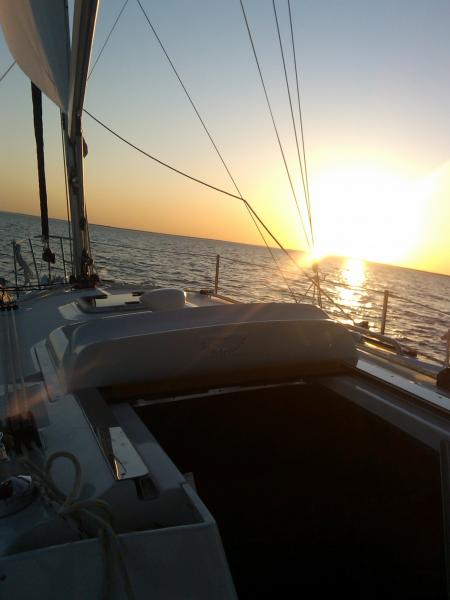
{"x": 39, "y": 39}
{"x": 85, "y": 14}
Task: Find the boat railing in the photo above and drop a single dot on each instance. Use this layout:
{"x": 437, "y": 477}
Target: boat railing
{"x": 355, "y": 306}
{"x": 367, "y": 319}
{"x": 32, "y": 270}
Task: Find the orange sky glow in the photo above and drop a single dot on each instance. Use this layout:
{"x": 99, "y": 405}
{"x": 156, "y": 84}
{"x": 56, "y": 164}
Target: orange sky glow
{"x": 377, "y": 192}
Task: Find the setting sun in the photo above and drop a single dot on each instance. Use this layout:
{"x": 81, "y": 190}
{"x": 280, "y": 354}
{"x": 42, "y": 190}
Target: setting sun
{"x": 367, "y": 212}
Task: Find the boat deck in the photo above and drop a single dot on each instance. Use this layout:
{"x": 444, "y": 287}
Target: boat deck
{"x": 321, "y": 477}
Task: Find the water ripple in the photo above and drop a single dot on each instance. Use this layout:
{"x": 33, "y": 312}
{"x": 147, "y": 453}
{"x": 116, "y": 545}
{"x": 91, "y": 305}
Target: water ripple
{"x": 418, "y": 310}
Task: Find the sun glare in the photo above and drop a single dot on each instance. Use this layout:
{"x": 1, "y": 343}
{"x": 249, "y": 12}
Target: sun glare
{"x": 352, "y": 275}
{"x": 366, "y": 212}
{"x": 353, "y": 272}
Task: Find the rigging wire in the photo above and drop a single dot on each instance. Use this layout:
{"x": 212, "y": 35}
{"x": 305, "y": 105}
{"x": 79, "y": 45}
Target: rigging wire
{"x": 222, "y": 191}
{"x": 7, "y": 71}
{"x": 107, "y": 38}
{"x": 277, "y": 266}
{"x": 187, "y": 93}
{"x": 208, "y": 133}
{"x": 66, "y": 186}
{"x": 305, "y": 187}
{"x": 302, "y": 135}
{"x": 292, "y": 117}
{"x": 273, "y": 119}
{"x": 161, "y": 162}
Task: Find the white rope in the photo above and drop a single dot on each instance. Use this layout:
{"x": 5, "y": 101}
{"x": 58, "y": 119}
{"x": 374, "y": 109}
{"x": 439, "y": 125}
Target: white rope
{"x": 69, "y": 506}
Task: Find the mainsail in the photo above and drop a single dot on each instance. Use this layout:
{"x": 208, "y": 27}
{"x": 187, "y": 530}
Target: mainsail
{"x": 37, "y": 35}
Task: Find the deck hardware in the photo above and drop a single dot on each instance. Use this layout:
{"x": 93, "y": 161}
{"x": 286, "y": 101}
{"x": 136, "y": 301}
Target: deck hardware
{"x": 146, "y": 489}
{"x": 443, "y": 379}
{"x": 3, "y": 453}
{"x": 16, "y": 493}
{"x": 384, "y": 313}
{"x": 216, "y": 281}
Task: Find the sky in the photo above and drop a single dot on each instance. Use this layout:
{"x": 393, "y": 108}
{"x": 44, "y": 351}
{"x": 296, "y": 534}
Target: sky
{"x": 375, "y": 90}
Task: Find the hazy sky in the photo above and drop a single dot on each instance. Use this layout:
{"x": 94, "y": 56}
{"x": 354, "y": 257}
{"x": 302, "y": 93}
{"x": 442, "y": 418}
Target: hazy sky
{"x": 375, "y": 86}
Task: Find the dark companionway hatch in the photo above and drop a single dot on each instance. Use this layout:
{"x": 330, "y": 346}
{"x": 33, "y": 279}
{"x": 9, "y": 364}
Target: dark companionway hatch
{"x": 313, "y": 495}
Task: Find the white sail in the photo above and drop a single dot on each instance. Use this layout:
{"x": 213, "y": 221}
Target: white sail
{"x": 37, "y": 36}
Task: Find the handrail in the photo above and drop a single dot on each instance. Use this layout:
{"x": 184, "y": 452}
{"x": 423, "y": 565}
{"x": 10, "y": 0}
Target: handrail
{"x": 367, "y": 333}
{"x": 23, "y": 264}
{"x": 50, "y": 237}
{"x": 55, "y": 237}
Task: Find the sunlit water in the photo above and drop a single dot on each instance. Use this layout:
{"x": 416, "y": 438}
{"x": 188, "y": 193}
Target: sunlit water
{"x": 418, "y": 310}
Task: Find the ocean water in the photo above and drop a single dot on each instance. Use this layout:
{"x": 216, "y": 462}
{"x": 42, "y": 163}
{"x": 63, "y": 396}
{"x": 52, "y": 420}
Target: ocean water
{"x": 418, "y": 314}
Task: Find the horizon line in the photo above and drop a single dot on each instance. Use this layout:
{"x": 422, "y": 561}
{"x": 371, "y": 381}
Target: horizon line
{"x": 330, "y": 256}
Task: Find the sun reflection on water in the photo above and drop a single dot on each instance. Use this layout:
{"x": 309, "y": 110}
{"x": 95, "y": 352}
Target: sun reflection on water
{"x": 353, "y": 275}
{"x": 354, "y": 272}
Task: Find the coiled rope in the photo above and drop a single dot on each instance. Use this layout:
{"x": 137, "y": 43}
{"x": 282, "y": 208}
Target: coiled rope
{"x": 68, "y": 505}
